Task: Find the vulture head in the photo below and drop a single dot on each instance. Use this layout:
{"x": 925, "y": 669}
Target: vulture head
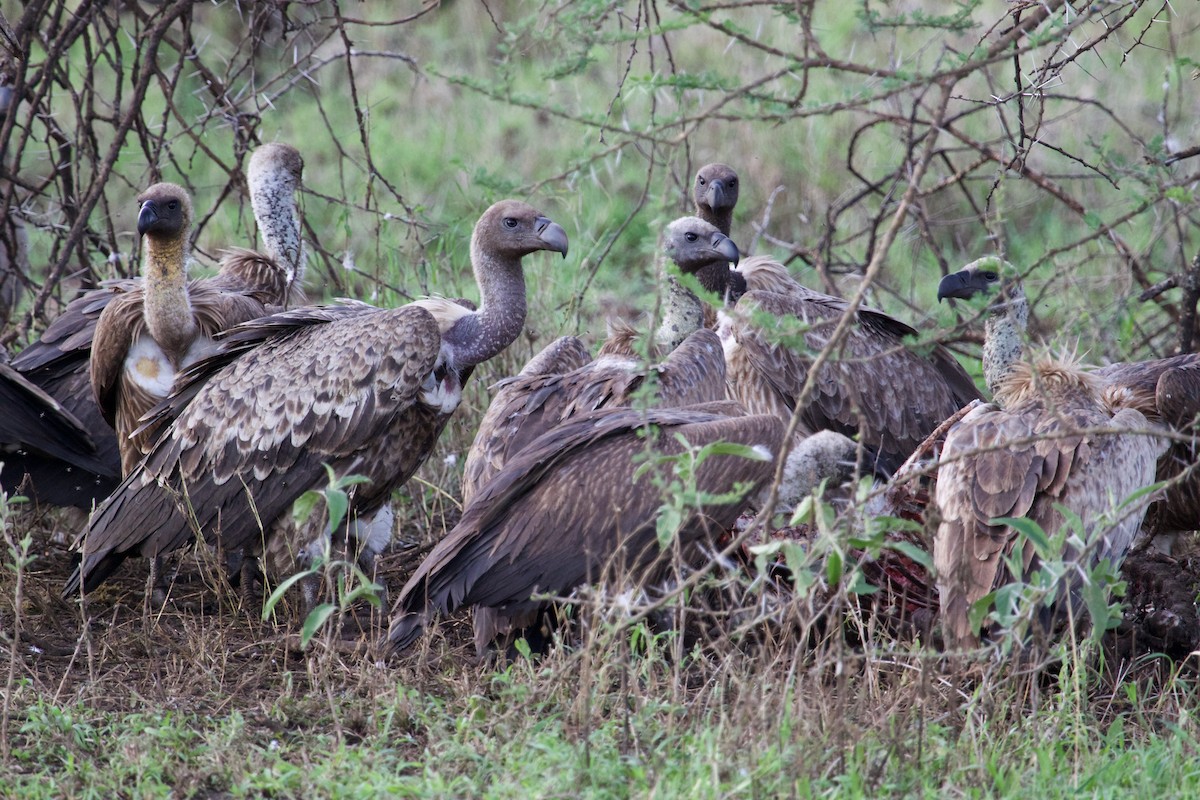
{"x": 996, "y": 283}
{"x": 716, "y": 194}
{"x": 694, "y": 244}
{"x": 511, "y": 229}
{"x": 165, "y": 211}
{"x": 987, "y": 277}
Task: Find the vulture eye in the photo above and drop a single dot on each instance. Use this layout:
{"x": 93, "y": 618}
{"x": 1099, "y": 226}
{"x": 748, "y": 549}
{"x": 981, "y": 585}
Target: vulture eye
{"x": 510, "y": 222}
{"x": 691, "y": 237}
{"x": 990, "y": 276}
{"x": 700, "y": 180}
{"x": 733, "y": 181}
{"x": 174, "y": 204}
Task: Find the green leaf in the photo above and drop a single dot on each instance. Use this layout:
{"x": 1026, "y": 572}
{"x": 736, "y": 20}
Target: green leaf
{"x": 313, "y": 622}
{"x": 338, "y": 502}
{"x": 917, "y": 554}
{"x": 833, "y": 567}
{"x": 304, "y": 505}
{"x": 1029, "y": 529}
{"x": 282, "y": 589}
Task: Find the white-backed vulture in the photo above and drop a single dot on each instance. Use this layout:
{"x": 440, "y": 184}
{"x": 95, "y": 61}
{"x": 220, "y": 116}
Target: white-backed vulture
{"x": 874, "y": 386}
{"x": 365, "y": 390}
{"x": 59, "y": 361}
{"x": 1054, "y": 438}
{"x": 1166, "y": 390}
{"x": 520, "y": 537}
{"x": 562, "y": 380}
{"x": 715, "y": 193}
{"x": 146, "y": 335}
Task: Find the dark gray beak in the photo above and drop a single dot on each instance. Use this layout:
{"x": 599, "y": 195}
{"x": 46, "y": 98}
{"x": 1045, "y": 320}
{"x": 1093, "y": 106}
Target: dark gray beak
{"x": 716, "y": 194}
{"x": 725, "y": 246}
{"x": 961, "y": 285}
{"x": 147, "y": 217}
{"x": 552, "y": 234}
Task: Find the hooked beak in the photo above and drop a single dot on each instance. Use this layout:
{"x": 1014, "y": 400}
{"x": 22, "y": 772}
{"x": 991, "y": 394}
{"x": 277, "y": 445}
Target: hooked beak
{"x": 726, "y": 248}
{"x": 147, "y": 217}
{"x": 716, "y": 194}
{"x": 959, "y": 285}
{"x": 552, "y": 234}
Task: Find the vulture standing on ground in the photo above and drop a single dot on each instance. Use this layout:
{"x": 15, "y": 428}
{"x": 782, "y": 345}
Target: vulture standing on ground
{"x": 1166, "y": 390}
{"x": 59, "y": 361}
{"x": 145, "y": 336}
{"x": 365, "y": 390}
{"x": 1034, "y": 450}
{"x": 519, "y": 538}
{"x": 562, "y": 380}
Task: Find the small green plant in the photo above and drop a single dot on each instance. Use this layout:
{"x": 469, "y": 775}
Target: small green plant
{"x": 350, "y": 584}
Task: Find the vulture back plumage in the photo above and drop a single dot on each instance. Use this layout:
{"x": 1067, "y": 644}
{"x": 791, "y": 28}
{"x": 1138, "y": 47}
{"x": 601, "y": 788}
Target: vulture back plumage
{"x": 518, "y": 537}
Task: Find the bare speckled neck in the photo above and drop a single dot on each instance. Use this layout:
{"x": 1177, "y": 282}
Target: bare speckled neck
{"x": 1004, "y": 337}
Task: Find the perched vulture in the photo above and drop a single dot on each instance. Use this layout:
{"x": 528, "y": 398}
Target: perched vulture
{"x": 563, "y": 380}
{"x": 59, "y": 361}
{"x": 1166, "y": 390}
{"x": 146, "y": 335}
{"x": 365, "y": 390}
{"x": 1054, "y": 438}
{"x": 518, "y": 537}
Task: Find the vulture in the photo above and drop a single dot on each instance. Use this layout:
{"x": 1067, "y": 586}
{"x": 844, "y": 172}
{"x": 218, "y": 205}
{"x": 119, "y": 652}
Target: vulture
{"x": 1165, "y": 390}
{"x": 146, "y": 335}
{"x": 1055, "y": 441}
{"x": 715, "y": 194}
{"x": 874, "y": 387}
{"x": 364, "y": 390}
{"x": 58, "y": 362}
{"x": 563, "y": 380}
{"x": 518, "y": 537}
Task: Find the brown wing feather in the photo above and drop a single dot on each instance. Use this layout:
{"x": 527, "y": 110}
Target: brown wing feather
{"x": 875, "y": 386}
{"x": 510, "y": 542}
{"x": 545, "y": 395}
{"x": 254, "y": 437}
{"x": 1021, "y": 463}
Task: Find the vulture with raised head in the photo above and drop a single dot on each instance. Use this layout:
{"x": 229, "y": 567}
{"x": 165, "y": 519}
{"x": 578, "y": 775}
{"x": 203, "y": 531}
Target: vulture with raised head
{"x": 362, "y": 389}
{"x": 518, "y": 537}
{"x": 562, "y": 380}
{"x": 715, "y": 193}
{"x": 1055, "y": 438}
{"x": 1166, "y": 390}
{"x": 58, "y": 362}
{"x": 146, "y": 335}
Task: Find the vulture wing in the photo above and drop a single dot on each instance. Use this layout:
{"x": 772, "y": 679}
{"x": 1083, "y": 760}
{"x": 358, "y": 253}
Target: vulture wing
{"x": 875, "y": 386}
{"x": 519, "y": 538}
{"x": 1024, "y": 462}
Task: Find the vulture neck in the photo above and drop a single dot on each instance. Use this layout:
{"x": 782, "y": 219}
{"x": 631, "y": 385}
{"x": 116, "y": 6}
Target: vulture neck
{"x": 167, "y": 309}
{"x": 273, "y": 198}
{"x": 479, "y": 336}
{"x": 722, "y": 220}
{"x": 683, "y": 311}
{"x": 1003, "y": 339}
